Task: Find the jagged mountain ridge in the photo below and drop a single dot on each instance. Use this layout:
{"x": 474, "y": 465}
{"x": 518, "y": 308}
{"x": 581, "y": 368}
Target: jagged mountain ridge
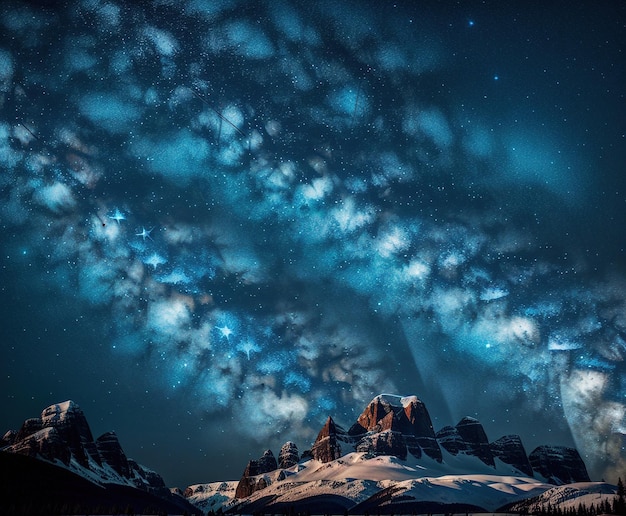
{"x": 62, "y": 435}
{"x": 390, "y": 455}
{"x": 401, "y": 427}
{"x": 396, "y": 425}
{"x": 62, "y": 439}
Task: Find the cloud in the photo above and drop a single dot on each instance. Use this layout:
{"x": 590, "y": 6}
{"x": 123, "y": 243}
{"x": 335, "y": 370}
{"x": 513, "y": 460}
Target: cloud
{"x": 316, "y": 220}
{"x": 590, "y": 415}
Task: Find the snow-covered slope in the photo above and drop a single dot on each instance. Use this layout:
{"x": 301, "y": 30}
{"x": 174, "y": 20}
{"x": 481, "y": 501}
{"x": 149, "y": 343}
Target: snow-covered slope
{"x": 212, "y": 496}
{"x": 360, "y": 482}
{"x": 570, "y": 496}
{"x": 357, "y": 478}
{"x": 358, "y": 465}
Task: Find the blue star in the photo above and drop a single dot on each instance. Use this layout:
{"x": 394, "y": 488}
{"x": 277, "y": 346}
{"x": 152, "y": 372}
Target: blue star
{"x": 145, "y": 233}
{"x": 225, "y": 331}
{"x": 117, "y": 216}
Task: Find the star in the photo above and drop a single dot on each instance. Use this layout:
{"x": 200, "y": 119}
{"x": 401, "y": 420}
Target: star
{"x": 155, "y": 260}
{"x": 117, "y": 216}
{"x": 225, "y": 331}
{"x": 145, "y": 233}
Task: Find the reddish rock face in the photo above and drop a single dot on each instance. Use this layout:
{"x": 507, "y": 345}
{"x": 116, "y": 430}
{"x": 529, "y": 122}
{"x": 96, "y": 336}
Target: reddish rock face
{"x": 372, "y": 414}
{"x": 326, "y": 447}
{"x": 263, "y": 464}
{"x": 407, "y": 416}
{"x": 29, "y": 427}
{"x": 252, "y": 479}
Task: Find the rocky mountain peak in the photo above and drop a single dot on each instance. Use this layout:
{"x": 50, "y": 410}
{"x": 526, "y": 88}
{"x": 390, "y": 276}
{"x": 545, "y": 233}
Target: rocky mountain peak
{"x": 558, "y": 464}
{"x": 473, "y": 433}
{"x": 510, "y": 450}
{"x": 67, "y": 416}
{"x": 60, "y": 411}
{"x": 329, "y": 429}
{"x": 396, "y": 426}
{"x": 255, "y": 476}
{"x": 71, "y": 431}
{"x": 111, "y": 452}
{"x": 288, "y": 455}
{"x": 405, "y": 415}
{"x": 326, "y": 446}
{"x": 375, "y": 411}
{"x": 62, "y": 434}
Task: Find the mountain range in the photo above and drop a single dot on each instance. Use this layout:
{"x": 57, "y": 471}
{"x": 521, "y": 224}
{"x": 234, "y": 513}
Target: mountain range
{"x": 75, "y": 471}
{"x": 390, "y": 460}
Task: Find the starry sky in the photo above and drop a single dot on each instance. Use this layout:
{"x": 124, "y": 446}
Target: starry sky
{"x": 224, "y": 220}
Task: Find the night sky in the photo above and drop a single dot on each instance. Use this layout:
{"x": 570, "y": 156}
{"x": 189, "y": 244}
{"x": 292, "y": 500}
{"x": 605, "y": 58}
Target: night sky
{"x": 223, "y": 221}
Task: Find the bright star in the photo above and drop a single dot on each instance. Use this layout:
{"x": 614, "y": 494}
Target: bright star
{"x": 145, "y": 233}
{"x": 117, "y": 216}
{"x": 225, "y": 331}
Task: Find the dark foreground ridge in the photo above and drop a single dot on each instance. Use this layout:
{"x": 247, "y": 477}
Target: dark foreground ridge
{"x": 29, "y": 486}
{"x": 53, "y": 465}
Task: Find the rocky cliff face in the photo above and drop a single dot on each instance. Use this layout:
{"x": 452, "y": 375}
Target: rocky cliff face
{"x": 450, "y": 439}
{"x": 8, "y": 438}
{"x": 45, "y": 443}
{"x": 72, "y": 426}
{"x": 405, "y": 417}
{"x": 469, "y": 438}
{"x": 326, "y": 446}
{"x": 558, "y": 464}
{"x": 254, "y": 477}
{"x": 111, "y": 452}
{"x": 474, "y": 436}
{"x": 394, "y": 425}
{"x": 383, "y": 443}
{"x": 62, "y": 434}
{"x": 288, "y": 455}
{"x": 510, "y": 450}
{"x": 146, "y": 479}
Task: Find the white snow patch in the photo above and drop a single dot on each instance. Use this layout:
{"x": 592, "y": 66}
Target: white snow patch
{"x": 57, "y": 412}
{"x": 212, "y": 496}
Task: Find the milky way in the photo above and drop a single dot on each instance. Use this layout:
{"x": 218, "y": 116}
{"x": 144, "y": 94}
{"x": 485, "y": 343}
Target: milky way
{"x": 246, "y": 216}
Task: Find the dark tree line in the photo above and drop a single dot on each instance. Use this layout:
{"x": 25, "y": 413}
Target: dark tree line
{"x": 26, "y": 508}
{"x": 617, "y": 506}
